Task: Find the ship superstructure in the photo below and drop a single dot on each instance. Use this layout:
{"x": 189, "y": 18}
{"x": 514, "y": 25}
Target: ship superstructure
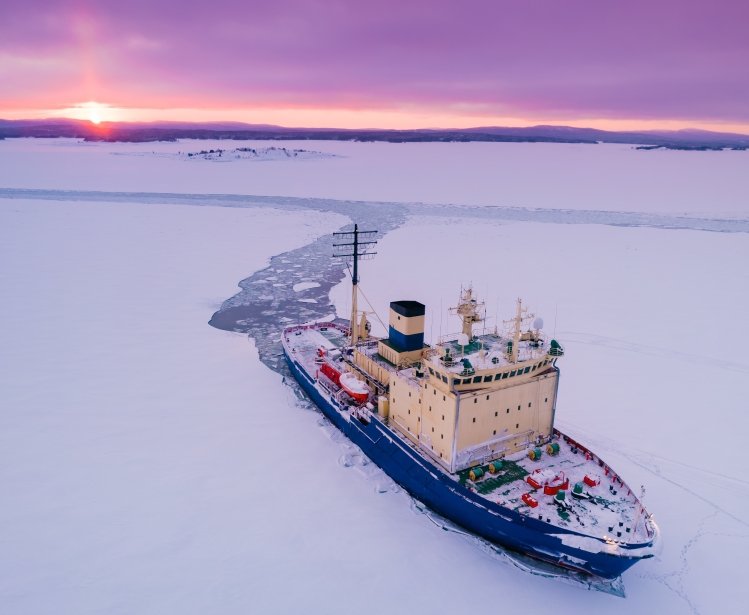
{"x": 467, "y": 426}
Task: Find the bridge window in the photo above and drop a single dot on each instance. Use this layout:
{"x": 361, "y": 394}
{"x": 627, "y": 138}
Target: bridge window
{"x": 497, "y": 376}
{"x": 477, "y": 379}
{"x": 488, "y": 378}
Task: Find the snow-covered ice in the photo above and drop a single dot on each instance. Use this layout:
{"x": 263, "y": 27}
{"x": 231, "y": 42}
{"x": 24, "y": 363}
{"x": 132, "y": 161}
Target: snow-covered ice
{"x": 150, "y": 463}
{"x": 606, "y": 177}
{"x": 305, "y": 286}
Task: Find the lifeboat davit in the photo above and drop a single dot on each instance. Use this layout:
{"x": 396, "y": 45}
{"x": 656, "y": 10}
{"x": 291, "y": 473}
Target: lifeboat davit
{"x": 354, "y": 387}
{"x": 331, "y": 372}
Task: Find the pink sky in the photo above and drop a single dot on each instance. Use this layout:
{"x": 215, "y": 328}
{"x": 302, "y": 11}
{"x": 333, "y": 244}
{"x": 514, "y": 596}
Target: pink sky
{"x": 604, "y": 63}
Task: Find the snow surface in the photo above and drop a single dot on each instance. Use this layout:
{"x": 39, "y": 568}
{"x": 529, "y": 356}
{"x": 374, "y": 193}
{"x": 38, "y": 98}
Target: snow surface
{"x": 151, "y": 464}
{"x": 606, "y": 177}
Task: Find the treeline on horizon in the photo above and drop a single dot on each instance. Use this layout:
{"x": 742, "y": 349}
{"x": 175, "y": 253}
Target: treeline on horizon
{"x": 140, "y": 133}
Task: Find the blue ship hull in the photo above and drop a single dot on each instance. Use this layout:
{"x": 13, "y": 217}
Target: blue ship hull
{"x": 448, "y": 498}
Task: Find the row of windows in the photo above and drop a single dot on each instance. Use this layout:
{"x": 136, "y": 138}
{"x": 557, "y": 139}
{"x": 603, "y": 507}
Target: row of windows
{"x": 490, "y": 377}
{"x": 517, "y": 425}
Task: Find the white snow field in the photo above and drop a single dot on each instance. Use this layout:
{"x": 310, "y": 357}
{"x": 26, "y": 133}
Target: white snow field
{"x": 559, "y": 176}
{"x": 151, "y": 464}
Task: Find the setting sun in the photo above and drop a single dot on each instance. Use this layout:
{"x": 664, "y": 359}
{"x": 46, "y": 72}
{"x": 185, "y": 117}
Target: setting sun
{"x": 92, "y": 111}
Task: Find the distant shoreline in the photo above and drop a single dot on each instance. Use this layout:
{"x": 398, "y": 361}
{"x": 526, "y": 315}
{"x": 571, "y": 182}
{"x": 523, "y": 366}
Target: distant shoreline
{"x": 169, "y": 132}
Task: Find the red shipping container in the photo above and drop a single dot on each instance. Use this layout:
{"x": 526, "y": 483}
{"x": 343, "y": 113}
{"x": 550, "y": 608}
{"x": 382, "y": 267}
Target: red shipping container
{"x": 529, "y": 500}
{"x": 532, "y": 482}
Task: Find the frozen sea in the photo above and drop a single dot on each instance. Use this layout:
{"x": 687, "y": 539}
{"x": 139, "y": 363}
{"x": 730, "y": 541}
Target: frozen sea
{"x": 150, "y": 463}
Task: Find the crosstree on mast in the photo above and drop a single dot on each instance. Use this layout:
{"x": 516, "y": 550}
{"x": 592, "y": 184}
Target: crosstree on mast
{"x": 360, "y": 247}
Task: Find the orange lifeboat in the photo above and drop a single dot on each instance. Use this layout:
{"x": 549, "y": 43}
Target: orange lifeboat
{"x": 354, "y": 387}
{"x": 331, "y": 372}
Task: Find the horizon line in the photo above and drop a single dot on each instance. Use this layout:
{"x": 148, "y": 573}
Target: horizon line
{"x": 685, "y": 127}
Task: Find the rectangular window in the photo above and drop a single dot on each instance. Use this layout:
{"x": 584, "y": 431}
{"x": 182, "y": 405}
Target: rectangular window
{"x": 442, "y": 436}
{"x": 474, "y": 419}
{"x": 477, "y": 379}
{"x": 443, "y": 417}
{"x": 529, "y": 404}
{"x": 431, "y": 371}
{"x": 487, "y": 398}
{"x": 488, "y": 378}
{"x": 444, "y": 379}
{"x": 496, "y": 413}
{"x": 494, "y": 433}
{"x": 466, "y": 381}
{"x": 497, "y": 376}
{"x": 475, "y": 400}
{"x": 527, "y": 369}
{"x": 512, "y": 373}
{"x": 517, "y": 425}
{"x": 504, "y": 375}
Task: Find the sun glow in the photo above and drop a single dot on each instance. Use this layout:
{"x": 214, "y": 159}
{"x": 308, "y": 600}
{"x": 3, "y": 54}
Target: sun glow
{"x": 94, "y": 112}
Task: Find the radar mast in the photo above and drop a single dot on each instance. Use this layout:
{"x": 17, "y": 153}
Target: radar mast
{"x": 469, "y": 310}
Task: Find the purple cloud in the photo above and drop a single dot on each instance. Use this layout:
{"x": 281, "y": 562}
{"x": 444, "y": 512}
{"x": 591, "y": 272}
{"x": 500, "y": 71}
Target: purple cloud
{"x": 672, "y": 59}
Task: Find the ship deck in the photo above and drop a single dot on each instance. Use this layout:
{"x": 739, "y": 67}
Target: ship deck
{"x": 486, "y": 351}
{"x": 608, "y": 510}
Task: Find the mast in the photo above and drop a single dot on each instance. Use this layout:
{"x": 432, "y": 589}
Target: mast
{"x": 352, "y": 252}
{"x": 516, "y": 336}
{"x": 469, "y": 310}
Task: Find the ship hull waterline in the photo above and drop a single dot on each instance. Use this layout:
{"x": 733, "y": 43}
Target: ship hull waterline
{"x": 445, "y": 496}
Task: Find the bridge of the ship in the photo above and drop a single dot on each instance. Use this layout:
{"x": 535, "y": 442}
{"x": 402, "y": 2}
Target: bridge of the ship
{"x": 486, "y": 351}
